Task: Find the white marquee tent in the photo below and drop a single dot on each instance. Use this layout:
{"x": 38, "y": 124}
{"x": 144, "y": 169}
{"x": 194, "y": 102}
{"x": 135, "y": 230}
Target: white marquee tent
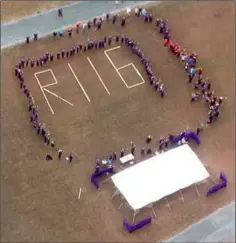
{"x": 159, "y": 176}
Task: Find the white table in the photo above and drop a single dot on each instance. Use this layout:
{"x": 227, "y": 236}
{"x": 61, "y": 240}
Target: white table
{"x": 127, "y": 158}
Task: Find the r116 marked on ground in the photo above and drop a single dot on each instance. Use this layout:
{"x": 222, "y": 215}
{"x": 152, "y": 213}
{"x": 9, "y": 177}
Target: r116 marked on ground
{"x": 44, "y": 87}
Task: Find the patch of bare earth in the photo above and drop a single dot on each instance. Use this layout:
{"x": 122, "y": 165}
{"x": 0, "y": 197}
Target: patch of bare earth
{"x": 39, "y": 198}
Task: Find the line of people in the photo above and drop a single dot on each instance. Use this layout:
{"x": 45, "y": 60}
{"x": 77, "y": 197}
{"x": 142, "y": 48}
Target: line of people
{"x": 65, "y": 53}
{"x": 96, "y": 23}
{"x": 100, "y": 44}
{"x": 33, "y": 110}
{"x": 157, "y": 83}
{"x": 162, "y": 145}
{"x": 202, "y": 86}
{"x": 189, "y": 60}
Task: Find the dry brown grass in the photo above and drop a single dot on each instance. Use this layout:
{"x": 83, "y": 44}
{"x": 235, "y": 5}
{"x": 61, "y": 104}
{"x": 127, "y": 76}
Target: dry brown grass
{"x": 39, "y": 199}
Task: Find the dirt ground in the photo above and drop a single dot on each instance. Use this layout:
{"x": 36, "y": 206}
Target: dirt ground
{"x": 12, "y": 10}
{"x": 39, "y": 198}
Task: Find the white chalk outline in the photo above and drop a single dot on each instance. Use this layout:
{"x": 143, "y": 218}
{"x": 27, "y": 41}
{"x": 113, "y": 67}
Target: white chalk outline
{"x": 125, "y": 66}
{"x": 43, "y": 88}
{"x": 77, "y": 80}
{"x": 99, "y": 77}
{"x": 66, "y": 101}
{"x": 139, "y": 74}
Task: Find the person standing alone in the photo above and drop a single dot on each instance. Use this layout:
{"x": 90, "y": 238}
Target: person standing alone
{"x": 60, "y": 14}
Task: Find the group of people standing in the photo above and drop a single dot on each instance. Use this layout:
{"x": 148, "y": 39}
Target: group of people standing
{"x": 202, "y": 86}
{"x": 33, "y": 110}
{"x": 157, "y": 83}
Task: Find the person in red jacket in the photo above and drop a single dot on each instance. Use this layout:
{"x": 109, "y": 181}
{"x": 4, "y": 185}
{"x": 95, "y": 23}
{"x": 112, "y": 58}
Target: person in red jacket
{"x": 177, "y": 50}
{"x": 172, "y": 46}
{"x": 166, "y": 42}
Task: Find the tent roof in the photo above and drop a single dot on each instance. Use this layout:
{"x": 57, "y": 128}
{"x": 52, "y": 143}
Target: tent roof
{"x": 160, "y": 176}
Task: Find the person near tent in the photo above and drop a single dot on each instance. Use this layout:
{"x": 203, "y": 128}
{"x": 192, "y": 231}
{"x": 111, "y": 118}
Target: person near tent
{"x": 52, "y": 144}
{"x": 49, "y": 157}
{"x": 114, "y": 156}
{"x": 109, "y": 163}
{"x": 59, "y": 153}
{"x": 97, "y": 167}
{"x": 149, "y": 139}
{"x": 122, "y": 153}
{"x": 142, "y": 152}
{"x": 133, "y": 148}
{"x": 70, "y": 157}
{"x": 149, "y": 151}
{"x": 199, "y": 129}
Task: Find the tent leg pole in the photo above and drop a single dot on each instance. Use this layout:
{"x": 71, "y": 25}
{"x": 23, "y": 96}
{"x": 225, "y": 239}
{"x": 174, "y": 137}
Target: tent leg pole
{"x": 213, "y": 180}
{"x": 113, "y": 195}
{"x": 182, "y": 197}
{"x": 105, "y": 180}
{"x": 134, "y": 216}
{"x": 197, "y": 190}
{"x": 121, "y": 205}
{"x": 168, "y": 204}
{"x": 154, "y": 212}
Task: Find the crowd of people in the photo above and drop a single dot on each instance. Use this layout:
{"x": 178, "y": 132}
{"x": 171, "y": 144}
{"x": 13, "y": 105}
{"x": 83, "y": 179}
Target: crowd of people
{"x": 202, "y": 86}
{"x": 33, "y": 110}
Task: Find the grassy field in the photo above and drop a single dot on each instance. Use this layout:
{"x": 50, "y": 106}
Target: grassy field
{"x": 39, "y": 198}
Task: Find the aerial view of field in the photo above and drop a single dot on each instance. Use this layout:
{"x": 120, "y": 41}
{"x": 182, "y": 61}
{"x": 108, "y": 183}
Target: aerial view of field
{"x": 95, "y": 103}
